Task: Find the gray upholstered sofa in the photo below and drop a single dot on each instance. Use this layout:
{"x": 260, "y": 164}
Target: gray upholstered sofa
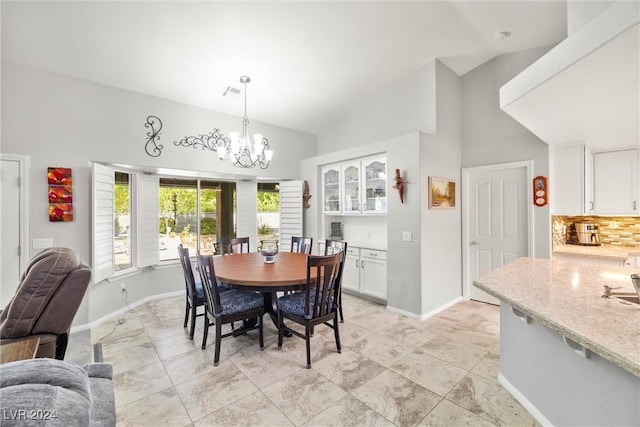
{"x": 51, "y": 392}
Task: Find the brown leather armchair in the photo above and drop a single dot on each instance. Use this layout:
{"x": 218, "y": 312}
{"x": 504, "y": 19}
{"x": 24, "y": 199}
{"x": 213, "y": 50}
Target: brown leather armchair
{"x": 46, "y": 301}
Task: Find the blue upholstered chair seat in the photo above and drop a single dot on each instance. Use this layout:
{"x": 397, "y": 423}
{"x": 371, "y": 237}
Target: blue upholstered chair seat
{"x": 238, "y": 300}
{"x": 199, "y": 291}
{"x": 294, "y": 303}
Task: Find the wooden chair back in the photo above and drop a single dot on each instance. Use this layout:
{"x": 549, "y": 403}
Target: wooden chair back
{"x": 302, "y": 245}
{"x": 209, "y": 284}
{"x": 238, "y": 245}
{"x": 187, "y": 270}
{"x": 323, "y": 287}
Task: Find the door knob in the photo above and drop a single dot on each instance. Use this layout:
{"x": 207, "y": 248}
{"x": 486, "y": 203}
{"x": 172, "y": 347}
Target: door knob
{"x": 474, "y": 243}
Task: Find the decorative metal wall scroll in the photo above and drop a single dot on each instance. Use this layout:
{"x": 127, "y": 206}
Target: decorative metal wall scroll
{"x": 213, "y": 141}
{"x": 152, "y": 147}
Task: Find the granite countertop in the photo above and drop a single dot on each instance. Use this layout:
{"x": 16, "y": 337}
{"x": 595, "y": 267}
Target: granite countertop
{"x": 603, "y": 251}
{"x": 566, "y": 297}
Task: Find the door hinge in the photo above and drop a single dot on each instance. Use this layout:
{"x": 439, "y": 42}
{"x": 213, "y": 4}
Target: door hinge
{"x": 19, "y": 250}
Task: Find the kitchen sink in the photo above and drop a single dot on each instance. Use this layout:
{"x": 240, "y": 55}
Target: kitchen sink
{"x": 629, "y": 298}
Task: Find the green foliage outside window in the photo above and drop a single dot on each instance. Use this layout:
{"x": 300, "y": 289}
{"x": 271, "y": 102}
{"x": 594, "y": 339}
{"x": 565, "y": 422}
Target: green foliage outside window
{"x": 121, "y": 199}
{"x": 268, "y": 202}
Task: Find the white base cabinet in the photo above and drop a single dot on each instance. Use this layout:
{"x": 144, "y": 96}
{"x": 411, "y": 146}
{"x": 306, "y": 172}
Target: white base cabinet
{"x": 365, "y": 272}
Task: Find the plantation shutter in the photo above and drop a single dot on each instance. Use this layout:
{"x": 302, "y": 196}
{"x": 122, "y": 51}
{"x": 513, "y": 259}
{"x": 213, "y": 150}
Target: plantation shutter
{"x": 146, "y": 219}
{"x": 290, "y": 212}
{"x": 247, "y": 212}
{"x": 102, "y": 222}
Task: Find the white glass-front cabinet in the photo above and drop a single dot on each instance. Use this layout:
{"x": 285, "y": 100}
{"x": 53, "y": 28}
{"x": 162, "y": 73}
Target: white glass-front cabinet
{"x": 331, "y": 188}
{"x": 352, "y": 175}
{"x": 375, "y": 185}
{"x": 356, "y": 187}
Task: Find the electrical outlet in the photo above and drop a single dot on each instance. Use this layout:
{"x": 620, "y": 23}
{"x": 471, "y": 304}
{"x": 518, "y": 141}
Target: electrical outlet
{"x": 123, "y": 288}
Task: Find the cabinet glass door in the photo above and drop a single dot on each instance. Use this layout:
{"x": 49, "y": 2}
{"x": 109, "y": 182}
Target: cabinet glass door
{"x": 375, "y": 180}
{"x": 351, "y": 177}
{"x": 331, "y": 185}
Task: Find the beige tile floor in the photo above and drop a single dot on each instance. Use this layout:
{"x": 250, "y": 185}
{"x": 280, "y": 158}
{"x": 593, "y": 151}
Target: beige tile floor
{"x": 393, "y": 370}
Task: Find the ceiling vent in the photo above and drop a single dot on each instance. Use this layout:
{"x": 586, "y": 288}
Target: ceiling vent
{"x": 232, "y": 92}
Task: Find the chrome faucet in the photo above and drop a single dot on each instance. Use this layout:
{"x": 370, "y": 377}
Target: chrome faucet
{"x": 608, "y": 292}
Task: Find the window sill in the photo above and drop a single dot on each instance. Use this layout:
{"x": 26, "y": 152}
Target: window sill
{"x": 129, "y": 272}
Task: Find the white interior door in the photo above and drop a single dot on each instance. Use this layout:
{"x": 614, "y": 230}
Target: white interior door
{"x": 13, "y": 228}
{"x": 496, "y": 221}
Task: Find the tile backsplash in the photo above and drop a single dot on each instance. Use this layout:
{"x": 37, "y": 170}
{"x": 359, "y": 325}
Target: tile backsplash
{"x": 614, "y": 230}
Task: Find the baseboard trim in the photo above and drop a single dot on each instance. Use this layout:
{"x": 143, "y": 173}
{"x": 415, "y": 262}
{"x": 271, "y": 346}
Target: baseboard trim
{"x": 535, "y": 413}
{"x": 123, "y": 310}
{"x": 426, "y": 315}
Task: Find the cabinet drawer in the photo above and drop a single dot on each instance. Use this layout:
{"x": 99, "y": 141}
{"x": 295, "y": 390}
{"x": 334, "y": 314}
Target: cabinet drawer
{"x": 373, "y": 253}
{"x": 353, "y": 251}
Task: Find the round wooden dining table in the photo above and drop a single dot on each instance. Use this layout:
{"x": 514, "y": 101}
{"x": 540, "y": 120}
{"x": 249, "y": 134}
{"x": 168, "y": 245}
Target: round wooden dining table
{"x": 248, "y": 270}
{"x": 288, "y": 272}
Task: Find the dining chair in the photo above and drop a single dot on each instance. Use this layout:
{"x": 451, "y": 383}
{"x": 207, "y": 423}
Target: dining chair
{"x": 194, "y": 292}
{"x": 236, "y": 245}
{"x": 227, "y": 307}
{"x": 317, "y": 304}
{"x": 302, "y": 245}
{"x": 333, "y": 247}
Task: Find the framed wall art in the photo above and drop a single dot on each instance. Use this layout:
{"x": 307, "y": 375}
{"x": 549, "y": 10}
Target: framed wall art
{"x": 442, "y": 193}
{"x": 60, "y": 194}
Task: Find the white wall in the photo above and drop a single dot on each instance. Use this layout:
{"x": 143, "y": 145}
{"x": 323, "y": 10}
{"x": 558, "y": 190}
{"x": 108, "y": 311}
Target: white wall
{"x": 423, "y": 274}
{"x": 490, "y": 136}
{"x": 441, "y": 229}
{"x": 62, "y": 121}
{"x": 406, "y": 108}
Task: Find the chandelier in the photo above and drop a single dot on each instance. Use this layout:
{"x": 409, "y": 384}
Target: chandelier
{"x": 239, "y": 148}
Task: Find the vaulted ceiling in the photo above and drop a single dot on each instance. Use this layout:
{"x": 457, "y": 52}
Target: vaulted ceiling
{"x": 310, "y": 62}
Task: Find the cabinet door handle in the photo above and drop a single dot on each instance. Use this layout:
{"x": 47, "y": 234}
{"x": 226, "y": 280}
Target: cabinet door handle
{"x": 357, "y": 264}
{"x": 590, "y": 206}
{"x": 372, "y": 254}
{"x": 634, "y": 205}
{"x": 362, "y": 264}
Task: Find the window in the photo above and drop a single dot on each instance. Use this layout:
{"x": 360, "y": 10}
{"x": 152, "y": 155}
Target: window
{"x": 124, "y": 221}
{"x": 268, "y": 212}
{"x": 139, "y": 219}
{"x": 189, "y": 215}
{"x": 122, "y": 224}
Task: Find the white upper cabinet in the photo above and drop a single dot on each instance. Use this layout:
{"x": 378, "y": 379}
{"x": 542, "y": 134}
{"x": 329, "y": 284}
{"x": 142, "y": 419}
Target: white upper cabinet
{"x": 570, "y": 184}
{"x": 615, "y": 182}
{"x": 352, "y": 187}
{"x": 331, "y": 191}
{"x": 375, "y": 185}
{"x": 603, "y": 183}
{"x": 356, "y": 187}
